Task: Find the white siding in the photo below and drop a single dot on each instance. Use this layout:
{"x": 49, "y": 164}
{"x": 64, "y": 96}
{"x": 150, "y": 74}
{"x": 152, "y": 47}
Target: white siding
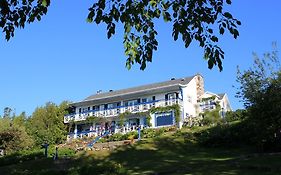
{"x": 189, "y": 99}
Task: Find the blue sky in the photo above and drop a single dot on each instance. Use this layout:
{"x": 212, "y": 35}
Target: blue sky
{"x": 64, "y": 58}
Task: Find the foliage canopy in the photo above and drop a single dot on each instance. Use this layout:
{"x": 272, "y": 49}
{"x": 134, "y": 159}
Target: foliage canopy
{"x": 192, "y": 20}
{"x": 259, "y": 89}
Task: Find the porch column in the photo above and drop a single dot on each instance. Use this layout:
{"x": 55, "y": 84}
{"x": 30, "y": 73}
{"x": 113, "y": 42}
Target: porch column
{"x": 127, "y": 126}
{"x": 75, "y": 131}
{"x": 142, "y": 122}
{"x": 94, "y": 127}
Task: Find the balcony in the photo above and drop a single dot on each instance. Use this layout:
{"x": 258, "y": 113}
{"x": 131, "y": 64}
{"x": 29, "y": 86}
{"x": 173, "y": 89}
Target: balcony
{"x": 141, "y": 107}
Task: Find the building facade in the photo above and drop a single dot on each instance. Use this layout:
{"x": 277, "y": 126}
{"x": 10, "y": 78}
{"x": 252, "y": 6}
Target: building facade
{"x": 211, "y": 101}
{"x": 155, "y": 105}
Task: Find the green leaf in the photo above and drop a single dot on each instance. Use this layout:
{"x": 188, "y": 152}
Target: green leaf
{"x": 167, "y": 16}
{"x": 221, "y": 30}
{"x": 228, "y": 1}
{"x": 90, "y": 16}
{"x": 128, "y": 64}
{"x": 45, "y": 3}
{"x": 210, "y": 64}
{"x": 153, "y": 3}
{"x": 214, "y": 39}
{"x": 238, "y": 22}
{"x": 227, "y": 14}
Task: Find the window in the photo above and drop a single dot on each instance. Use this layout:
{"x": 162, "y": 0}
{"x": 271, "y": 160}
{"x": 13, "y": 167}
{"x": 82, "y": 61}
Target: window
{"x": 126, "y": 103}
{"x": 164, "y": 119}
{"x": 96, "y": 108}
{"x": 110, "y": 106}
{"x": 132, "y": 102}
{"x": 118, "y": 104}
{"x": 170, "y": 96}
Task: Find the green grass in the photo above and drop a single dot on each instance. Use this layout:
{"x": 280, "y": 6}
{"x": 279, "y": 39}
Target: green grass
{"x": 165, "y": 155}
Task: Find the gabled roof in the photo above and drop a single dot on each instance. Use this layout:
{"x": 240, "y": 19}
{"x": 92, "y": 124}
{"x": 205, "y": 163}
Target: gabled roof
{"x": 221, "y": 95}
{"x": 172, "y": 84}
{"x": 175, "y": 82}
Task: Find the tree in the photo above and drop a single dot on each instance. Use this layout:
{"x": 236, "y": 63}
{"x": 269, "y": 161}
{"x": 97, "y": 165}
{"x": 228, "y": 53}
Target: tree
{"x": 260, "y": 88}
{"x": 46, "y": 124}
{"x": 7, "y": 112}
{"x": 193, "y": 20}
{"x": 255, "y": 81}
{"x": 13, "y": 135}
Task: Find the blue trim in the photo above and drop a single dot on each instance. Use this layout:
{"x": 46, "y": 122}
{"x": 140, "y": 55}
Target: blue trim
{"x": 181, "y": 91}
{"x": 97, "y": 139}
{"x": 118, "y": 107}
{"x": 83, "y": 132}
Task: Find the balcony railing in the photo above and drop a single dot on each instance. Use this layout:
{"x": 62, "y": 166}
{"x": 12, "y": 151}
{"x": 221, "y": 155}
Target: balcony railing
{"x": 141, "y": 107}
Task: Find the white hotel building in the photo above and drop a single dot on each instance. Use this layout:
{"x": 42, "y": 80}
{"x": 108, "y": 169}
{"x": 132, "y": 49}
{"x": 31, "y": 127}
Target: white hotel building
{"x": 187, "y": 93}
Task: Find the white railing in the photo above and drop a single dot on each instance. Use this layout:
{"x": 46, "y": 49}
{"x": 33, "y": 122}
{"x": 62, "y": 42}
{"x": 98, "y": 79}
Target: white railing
{"x": 142, "y": 107}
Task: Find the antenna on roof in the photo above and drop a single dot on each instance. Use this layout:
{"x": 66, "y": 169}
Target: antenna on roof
{"x": 99, "y": 91}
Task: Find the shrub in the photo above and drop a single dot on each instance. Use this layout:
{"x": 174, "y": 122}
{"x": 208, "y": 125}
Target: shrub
{"x": 151, "y": 133}
{"x": 211, "y": 118}
{"x": 21, "y": 156}
{"x": 130, "y": 135}
{"x": 193, "y": 121}
{"x": 238, "y": 133}
{"x": 102, "y": 140}
{"x": 231, "y": 116}
{"x": 116, "y": 137}
{"x": 110, "y": 168}
{"x": 62, "y": 151}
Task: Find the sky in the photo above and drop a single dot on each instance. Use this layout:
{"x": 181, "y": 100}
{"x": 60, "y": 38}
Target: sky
{"x": 63, "y": 57}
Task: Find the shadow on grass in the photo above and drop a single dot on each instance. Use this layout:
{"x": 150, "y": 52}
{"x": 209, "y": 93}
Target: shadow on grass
{"x": 168, "y": 156}
{"x": 165, "y": 155}
{"x": 161, "y": 156}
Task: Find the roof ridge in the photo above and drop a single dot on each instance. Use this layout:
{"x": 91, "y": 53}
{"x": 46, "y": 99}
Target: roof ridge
{"x": 140, "y": 88}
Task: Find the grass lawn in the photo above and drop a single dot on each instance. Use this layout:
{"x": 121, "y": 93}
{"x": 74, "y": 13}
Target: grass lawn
{"x": 163, "y": 155}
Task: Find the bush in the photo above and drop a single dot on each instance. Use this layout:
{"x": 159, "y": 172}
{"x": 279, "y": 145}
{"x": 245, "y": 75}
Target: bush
{"x": 238, "y": 133}
{"x": 130, "y": 135}
{"x": 211, "y": 117}
{"x": 110, "y": 168}
{"x": 231, "y": 116}
{"x": 62, "y": 151}
{"x": 21, "y": 156}
{"x": 116, "y": 137}
{"x": 102, "y": 140}
{"x": 151, "y": 133}
{"x": 193, "y": 121}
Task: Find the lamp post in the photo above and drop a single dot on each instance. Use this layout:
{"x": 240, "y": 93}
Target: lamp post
{"x": 222, "y": 112}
